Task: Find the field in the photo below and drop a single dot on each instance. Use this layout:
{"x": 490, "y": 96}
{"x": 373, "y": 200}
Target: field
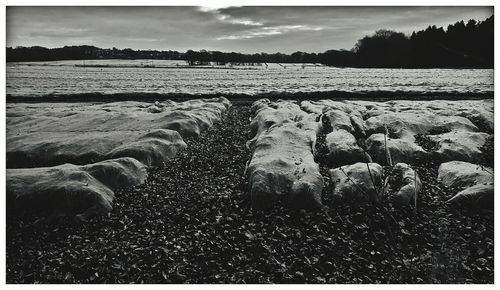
{"x": 193, "y": 220}
{"x": 119, "y": 76}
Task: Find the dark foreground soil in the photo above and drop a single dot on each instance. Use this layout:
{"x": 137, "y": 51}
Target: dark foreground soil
{"x": 192, "y": 223}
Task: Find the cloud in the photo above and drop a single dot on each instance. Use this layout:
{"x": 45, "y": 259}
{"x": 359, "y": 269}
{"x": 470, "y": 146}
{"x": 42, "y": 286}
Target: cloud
{"x": 269, "y": 31}
{"x": 60, "y": 32}
{"x": 267, "y": 28}
{"x": 242, "y": 21}
{"x": 142, "y": 39}
{"x": 228, "y": 18}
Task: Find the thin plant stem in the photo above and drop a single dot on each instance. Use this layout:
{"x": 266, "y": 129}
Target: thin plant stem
{"x": 388, "y": 158}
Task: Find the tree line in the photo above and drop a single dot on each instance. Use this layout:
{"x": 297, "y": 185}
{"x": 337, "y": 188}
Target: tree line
{"x": 462, "y": 44}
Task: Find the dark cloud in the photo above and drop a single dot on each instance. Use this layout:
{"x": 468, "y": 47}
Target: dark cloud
{"x": 244, "y": 29}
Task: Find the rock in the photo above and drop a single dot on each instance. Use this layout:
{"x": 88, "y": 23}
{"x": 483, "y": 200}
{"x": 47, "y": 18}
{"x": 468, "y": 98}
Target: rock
{"x": 475, "y": 181}
{"x": 400, "y": 150}
{"x": 343, "y": 149}
{"x": 354, "y": 182}
{"x": 461, "y": 146}
{"x": 411, "y": 184}
{"x": 68, "y": 189}
{"x": 283, "y": 168}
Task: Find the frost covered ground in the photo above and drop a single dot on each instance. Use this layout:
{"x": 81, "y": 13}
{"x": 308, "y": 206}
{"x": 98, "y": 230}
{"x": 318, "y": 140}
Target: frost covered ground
{"x": 95, "y": 135}
{"x": 284, "y": 136}
{"x": 192, "y": 220}
{"x": 63, "y": 78}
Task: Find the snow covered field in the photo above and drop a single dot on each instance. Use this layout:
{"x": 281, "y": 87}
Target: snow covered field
{"x": 124, "y": 76}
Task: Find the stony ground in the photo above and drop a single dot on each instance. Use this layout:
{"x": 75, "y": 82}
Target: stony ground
{"x": 192, "y": 223}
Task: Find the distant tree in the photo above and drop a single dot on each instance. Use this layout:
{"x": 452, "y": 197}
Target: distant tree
{"x": 338, "y": 58}
{"x": 190, "y": 56}
{"x": 460, "y": 45}
{"x": 385, "y": 48}
{"x": 219, "y": 57}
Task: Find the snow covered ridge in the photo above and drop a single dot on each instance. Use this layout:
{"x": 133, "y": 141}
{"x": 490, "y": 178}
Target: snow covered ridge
{"x": 282, "y": 165}
{"x": 393, "y": 134}
{"x": 474, "y": 181}
{"x": 48, "y": 134}
{"x": 87, "y": 190}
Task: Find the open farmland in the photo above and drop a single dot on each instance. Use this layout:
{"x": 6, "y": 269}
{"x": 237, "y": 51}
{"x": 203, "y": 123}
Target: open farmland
{"x": 118, "y": 76}
{"x": 196, "y": 218}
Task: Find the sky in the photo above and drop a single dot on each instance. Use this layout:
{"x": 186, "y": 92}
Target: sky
{"x": 246, "y": 29}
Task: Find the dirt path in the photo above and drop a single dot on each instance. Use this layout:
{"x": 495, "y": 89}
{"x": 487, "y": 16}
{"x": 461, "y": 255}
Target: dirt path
{"x": 191, "y": 223}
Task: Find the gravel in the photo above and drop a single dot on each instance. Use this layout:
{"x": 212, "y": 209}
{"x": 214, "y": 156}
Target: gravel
{"x": 191, "y": 222}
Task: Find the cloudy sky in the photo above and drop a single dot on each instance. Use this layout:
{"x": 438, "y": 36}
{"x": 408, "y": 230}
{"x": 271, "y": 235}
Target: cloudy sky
{"x": 243, "y": 29}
